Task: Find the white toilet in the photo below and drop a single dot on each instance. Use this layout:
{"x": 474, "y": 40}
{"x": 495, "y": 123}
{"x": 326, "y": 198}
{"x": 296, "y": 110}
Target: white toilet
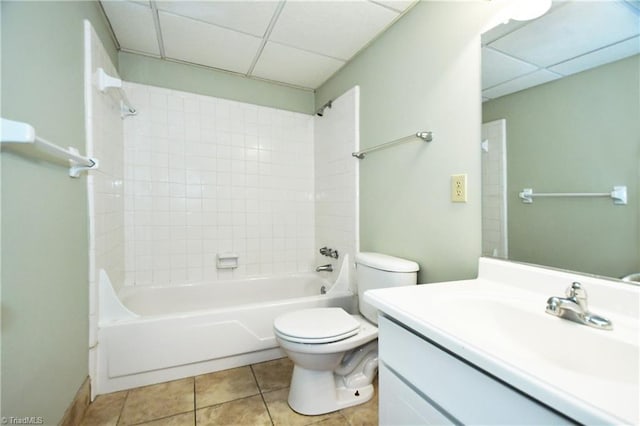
{"x": 335, "y": 354}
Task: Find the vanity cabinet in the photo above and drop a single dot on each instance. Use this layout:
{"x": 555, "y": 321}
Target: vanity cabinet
{"x": 420, "y": 383}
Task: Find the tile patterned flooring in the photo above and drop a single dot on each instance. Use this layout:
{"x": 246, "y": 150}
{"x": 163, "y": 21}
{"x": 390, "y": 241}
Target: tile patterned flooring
{"x": 251, "y": 395}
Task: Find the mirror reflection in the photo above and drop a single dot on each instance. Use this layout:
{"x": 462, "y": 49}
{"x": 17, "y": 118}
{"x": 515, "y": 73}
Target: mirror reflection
{"x": 561, "y": 113}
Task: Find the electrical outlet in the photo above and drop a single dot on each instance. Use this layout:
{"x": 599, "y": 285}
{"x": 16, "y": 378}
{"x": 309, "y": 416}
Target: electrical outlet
{"x": 459, "y": 188}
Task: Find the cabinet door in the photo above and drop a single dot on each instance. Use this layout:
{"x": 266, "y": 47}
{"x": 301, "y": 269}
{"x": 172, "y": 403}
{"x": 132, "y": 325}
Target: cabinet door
{"x": 400, "y": 405}
{"x": 468, "y": 395}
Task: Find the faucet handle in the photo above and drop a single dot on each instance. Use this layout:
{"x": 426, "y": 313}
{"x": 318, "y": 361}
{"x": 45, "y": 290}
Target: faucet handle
{"x": 577, "y": 292}
{"x": 553, "y": 306}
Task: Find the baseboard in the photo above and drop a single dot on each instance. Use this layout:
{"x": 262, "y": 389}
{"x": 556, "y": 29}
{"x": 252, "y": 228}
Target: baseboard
{"x": 75, "y": 412}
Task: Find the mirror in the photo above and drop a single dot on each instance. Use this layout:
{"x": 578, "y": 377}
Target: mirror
{"x": 568, "y": 88}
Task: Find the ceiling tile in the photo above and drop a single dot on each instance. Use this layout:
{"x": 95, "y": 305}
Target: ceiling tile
{"x": 512, "y": 25}
{"x": 599, "y": 57}
{"x": 336, "y": 29}
{"x": 399, "y": 5}
{"x": 251, "y": 17}
{"x": 294, "y": 66}
{"x": 498, "y": 68}
{"x": 133, "y": 26}
{"x": 197, "y": 42}
{"x": 520, "y": 83}
{"x": 634, "y": 4}
{"x": 572, "y": 30}
{"x": 501, "y": 30}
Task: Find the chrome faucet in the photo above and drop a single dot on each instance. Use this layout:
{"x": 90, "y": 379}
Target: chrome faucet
{"x": 328, "y": 267}
{"x": 574, "y": 308}
{"x": 329, "y": 252}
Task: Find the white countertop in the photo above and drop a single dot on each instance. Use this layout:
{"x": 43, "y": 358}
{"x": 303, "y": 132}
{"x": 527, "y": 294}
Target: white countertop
{"x": 590, "y": 375}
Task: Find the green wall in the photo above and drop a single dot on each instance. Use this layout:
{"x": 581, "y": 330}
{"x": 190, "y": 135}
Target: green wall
{"x": 206, "y": 81}
{"x": 45, "y": 318}
{"x": 422, "y": 74}
{"x": 577, "y": 134}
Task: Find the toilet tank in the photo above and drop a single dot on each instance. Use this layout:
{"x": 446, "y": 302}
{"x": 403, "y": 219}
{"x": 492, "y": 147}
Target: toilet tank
{"x": 376, "y": 270}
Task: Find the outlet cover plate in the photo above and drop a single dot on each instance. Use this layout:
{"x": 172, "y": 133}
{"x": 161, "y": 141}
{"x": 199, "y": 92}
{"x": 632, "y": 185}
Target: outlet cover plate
{"x": 459, "y": 188}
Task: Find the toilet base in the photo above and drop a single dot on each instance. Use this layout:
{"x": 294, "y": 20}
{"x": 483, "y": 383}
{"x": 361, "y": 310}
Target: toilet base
{"x": 315, "y": 392}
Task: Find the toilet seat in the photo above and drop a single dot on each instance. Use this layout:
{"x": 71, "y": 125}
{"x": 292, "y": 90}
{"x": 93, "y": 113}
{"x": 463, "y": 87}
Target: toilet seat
{"x": 316, "y": 326}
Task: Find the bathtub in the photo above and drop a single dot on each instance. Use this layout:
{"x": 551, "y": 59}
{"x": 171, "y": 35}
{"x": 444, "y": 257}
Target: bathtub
{"x": 149, "y": 335}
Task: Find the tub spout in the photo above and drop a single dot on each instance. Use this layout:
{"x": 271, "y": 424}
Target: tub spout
{"x": 328, "y": 267}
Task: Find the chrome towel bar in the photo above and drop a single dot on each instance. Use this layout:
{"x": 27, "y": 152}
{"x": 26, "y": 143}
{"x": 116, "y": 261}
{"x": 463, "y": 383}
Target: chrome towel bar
{"x": 425, "y": 136}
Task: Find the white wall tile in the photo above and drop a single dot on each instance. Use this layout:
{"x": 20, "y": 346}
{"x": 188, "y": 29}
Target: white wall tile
{"x": 494, "y": 202}
{"x": 106, "y": 192}
{"x": 107, "y": 198}
{"x": 336, "y": 203}
{"x": 221, "y": 183}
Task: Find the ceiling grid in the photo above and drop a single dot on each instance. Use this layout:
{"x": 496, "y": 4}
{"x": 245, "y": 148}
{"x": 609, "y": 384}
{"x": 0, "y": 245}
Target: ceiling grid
{"x": 303, "y": 43}
{"x": 300, "y": 44}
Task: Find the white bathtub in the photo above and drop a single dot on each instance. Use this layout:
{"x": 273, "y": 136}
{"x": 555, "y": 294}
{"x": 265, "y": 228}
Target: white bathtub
{"x": 149, "y": 335}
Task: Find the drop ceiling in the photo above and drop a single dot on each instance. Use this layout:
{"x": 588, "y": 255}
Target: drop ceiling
{"x": 303, "y": 43}
{"x": 298, "y": 43}
{"x": 573, "y": 36}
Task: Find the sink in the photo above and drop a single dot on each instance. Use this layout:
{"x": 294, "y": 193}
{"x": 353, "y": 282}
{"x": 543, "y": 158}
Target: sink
{"x": 519, "y": 327}
{"x": 498, "y": 323}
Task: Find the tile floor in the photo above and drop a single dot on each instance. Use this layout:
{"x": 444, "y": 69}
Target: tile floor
{"x": 251, "y": 395}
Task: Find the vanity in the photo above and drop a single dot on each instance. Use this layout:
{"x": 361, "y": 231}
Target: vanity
{"x": 485, "y": 351}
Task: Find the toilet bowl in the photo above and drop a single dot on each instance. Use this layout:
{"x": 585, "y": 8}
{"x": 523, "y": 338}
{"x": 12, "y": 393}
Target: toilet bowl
{"x": 335, "y": 354}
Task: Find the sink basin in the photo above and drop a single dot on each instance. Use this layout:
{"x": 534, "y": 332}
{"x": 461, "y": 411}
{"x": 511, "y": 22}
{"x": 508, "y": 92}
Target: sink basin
{"x": 519, "y": 328}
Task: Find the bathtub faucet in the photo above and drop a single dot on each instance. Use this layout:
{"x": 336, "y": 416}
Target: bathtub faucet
{"x": 328, "y": 267}
{"x": 329, "y": 252}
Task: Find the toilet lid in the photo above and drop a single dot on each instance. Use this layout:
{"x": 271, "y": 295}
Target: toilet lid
{"x": 318, "y": 325}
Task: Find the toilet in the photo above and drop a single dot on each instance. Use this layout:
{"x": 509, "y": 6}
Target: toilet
{"x": 335, "y": 354}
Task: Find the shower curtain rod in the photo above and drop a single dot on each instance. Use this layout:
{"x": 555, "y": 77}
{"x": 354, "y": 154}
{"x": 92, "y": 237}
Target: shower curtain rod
{"x": 425, "y": 136}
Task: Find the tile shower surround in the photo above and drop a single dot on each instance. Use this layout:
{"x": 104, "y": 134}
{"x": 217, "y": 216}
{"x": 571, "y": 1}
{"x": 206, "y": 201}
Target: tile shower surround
{"x": 104, "y": 133}
{"x": 205, "y": 175}
{"x": 494, "y": 187}
{"x": 336, "y": 178}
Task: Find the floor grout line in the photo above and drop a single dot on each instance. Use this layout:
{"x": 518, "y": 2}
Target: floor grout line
{"x": 124, "y": 403}
{"x": 160, "y": 418}
{"x": 195, "y": 413}
{"x": 261, "y": 394}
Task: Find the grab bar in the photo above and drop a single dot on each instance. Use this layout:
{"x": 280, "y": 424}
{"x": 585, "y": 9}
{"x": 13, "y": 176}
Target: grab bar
{"x": 105, "y": 81}
{"x": 24, "y": 133}
{"x": 619, "y": 195}
{"x": 425, "y": 136}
